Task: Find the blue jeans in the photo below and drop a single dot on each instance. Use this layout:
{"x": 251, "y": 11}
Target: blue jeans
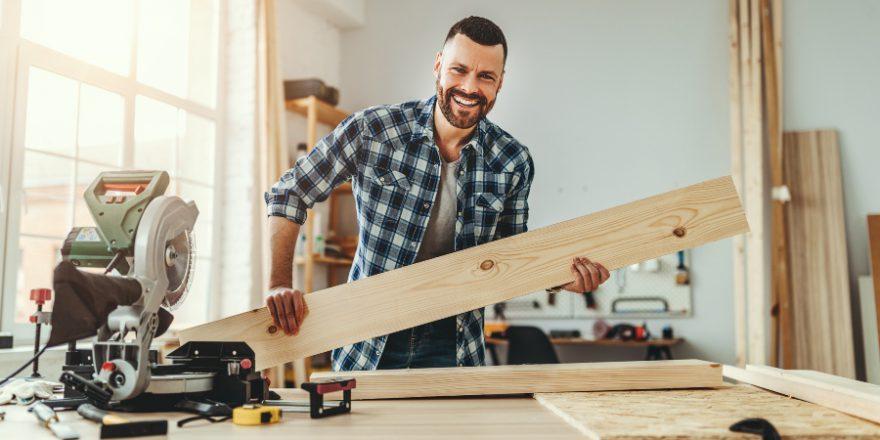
{"x": 425, "y": 346}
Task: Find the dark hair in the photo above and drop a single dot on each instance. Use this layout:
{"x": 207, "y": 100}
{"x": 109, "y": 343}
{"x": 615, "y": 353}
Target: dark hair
{"x": 479, "y": 29}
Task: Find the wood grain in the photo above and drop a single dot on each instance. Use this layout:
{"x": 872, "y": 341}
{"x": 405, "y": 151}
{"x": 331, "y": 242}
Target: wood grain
{"x": 699, "y": 414}
{"x": 527, "y": 379}
{"x": 823, "y": 334}
{"x": 489, "y": 273}
{"x": 851, "y": 397}
{"x": 874, "y": 245}
{"x": 736, "y": 174}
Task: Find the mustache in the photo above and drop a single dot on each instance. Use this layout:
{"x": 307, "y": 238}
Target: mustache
{"x": 481, "y": 100}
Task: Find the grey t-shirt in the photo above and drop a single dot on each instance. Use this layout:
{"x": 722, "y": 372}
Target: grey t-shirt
{"x": 439, "y": 236}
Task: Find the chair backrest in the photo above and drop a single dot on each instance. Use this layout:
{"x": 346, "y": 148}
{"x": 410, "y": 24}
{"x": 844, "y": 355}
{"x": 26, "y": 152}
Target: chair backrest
{"x": 529, "y": 345}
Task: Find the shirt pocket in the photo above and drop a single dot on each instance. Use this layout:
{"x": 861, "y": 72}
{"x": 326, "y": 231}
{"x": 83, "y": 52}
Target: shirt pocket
{"x": 487, "y": 210}
{"x": 384, "y": 195}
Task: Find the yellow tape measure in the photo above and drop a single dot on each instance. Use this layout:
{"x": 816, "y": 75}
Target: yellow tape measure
{"x": 256, "y": 415}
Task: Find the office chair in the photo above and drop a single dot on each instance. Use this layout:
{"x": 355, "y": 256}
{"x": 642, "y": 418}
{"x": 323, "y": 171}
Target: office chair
{"x": 529, "y": 345}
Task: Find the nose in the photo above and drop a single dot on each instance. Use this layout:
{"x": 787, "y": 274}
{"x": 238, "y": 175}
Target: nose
{"x": 469, "y": 83}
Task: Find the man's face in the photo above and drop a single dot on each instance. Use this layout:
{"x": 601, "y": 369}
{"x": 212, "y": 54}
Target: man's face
{"x": 469, "y": 76}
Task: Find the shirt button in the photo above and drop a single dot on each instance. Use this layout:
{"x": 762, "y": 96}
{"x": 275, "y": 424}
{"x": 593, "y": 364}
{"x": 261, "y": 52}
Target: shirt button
{"x": 382, "y": 180}
{"x": 414, "y": 245}
{"x": 378, "y": 352}
{"x": 460, "y": 329}
{"x": 426, "y": 205}
{"x": 461, "y": 364}
{"x": 461, "y": 172}
{"x": 459, "y": 213}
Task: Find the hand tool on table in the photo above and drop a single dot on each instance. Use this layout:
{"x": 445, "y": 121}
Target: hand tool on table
{"x": 49, "y": 419}
{"x": 146, "y": 238}
{"x": 113, "y": 426}
{"x": 256, "y": 414}
{"x": 317, "y": 390}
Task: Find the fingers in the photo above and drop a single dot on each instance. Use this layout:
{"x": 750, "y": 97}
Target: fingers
{"x": 285, "y": 311}
{"x": 586, "y": 279}
{"x": 274, "y": 310}
{"x": 577, "y": 284}
{"x": 588, "y": 276}
{"x": 299, "y": 308}
{"x": 605, "y": 274}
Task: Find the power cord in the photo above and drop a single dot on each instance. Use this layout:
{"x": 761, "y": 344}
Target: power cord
{"x": 26, "y": 364}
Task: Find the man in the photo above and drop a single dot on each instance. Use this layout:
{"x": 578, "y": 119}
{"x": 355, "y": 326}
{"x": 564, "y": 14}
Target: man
{"x": 429, "y": 178}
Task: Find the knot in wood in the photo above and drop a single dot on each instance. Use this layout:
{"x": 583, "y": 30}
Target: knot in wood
{"x": 679, "y": 231}
{"x": 272, "y": 329}
{"x": 487, "y": 264}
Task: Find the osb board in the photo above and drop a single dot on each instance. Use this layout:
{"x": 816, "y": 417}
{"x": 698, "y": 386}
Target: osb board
{"x": 527, "y": 379}
{"x": 699, "y": 414}
{"x": 489, "y": 273}
{"x": 820, "y": 299}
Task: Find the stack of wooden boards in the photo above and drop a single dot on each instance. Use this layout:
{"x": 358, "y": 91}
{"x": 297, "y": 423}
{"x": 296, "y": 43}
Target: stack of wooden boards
{"x": 489, "y": 273}
{"x": 820, "y": 294}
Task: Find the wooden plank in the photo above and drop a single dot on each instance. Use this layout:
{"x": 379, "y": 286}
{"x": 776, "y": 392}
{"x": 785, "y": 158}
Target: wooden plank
{"x": 780, "y": 275}
{"x": 489, "y": 273}
{"x": 736, "y": 173}
{"x": 699, "y": 414}
{"x": 755, "y": 190}
{"x": 823, "y": 334}
{"x": 527, "y": 379}
{"x": 870, "y": 331}
{"x": 863, "y": 403}
{"x": 874, "y": 246}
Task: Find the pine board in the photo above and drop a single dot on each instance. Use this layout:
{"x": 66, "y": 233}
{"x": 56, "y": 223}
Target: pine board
{"x": 823, "y": 334}
{"x": 844, "y": 395}
{"x": 874, "y": 246}
{"x": 489, "y": 273}
{"x": 699, "y": 414}
{"x": 527, "y": 379}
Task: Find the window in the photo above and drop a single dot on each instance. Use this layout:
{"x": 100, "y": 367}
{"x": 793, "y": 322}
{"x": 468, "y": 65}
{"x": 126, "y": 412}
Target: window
{"x": 106, "y": 85}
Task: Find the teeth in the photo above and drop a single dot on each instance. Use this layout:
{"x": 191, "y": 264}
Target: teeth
{"x": 465, "y": 102}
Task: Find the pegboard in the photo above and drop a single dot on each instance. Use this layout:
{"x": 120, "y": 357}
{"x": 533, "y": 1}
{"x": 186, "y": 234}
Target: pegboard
{"x": 646, "y": 290}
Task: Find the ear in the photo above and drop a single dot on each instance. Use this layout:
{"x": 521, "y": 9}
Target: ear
{"x": 438, "y": 60}
{"x": 500, "y": 83}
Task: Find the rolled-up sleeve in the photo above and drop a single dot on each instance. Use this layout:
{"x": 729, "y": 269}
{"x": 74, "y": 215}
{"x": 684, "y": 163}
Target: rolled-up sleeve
{"x": 515, "y": 216}
{"x": 313, "y": 177}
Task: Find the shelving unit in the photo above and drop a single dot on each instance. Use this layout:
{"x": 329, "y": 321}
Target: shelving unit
{"x": 318, "y": 112}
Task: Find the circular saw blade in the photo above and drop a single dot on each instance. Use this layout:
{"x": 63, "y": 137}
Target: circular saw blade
{"x": 179, "y": 253}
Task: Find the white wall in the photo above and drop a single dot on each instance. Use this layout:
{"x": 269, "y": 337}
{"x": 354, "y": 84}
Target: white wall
{"x": 616, "y": 100}
{"x": 832, "y": 80}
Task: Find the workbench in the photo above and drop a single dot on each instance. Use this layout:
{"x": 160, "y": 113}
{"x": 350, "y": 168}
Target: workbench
{"x": 616, "y": 415}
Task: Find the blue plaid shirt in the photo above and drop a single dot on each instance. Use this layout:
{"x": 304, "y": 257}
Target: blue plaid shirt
{"x": 389, "y": 154}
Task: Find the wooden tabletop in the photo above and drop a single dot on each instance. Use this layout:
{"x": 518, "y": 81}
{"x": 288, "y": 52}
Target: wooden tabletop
{"x": 488, "y": 418}
{"x": 601, "y": 342}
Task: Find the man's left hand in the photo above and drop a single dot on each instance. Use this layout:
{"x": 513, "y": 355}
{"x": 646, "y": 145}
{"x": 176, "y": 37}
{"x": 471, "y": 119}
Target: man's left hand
{"x": 588, "y": 276}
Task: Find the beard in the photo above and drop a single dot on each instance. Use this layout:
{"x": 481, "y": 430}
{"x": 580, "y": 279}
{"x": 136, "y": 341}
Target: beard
{"x": 462, "y": 119}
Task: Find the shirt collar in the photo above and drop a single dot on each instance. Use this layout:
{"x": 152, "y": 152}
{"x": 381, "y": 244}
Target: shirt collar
{"x": 424, "y": 126}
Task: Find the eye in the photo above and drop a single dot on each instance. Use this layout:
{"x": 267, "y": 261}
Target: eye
{"x": 458, "y": 69}
{"x": 487, "y": 77}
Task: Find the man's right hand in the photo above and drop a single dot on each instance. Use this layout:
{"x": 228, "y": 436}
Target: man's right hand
{"x": 288, "y": 309}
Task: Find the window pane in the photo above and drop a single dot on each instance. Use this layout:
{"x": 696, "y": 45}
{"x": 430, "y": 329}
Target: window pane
{"x": 197, "y": 149}
{"x": 194, "y": 309}
{"x": 51, "y": 113}
{"x": 155, "y": 135}
{"x": 177, "y": 47}
{"x": 100, "y": 125}
{"x": 37, "y": 257}
{"x": 46, "y": 197}
{"x": 96, "y": 31}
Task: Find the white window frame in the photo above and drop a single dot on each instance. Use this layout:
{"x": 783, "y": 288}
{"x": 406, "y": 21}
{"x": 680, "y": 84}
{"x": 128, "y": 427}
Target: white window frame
{"x": 27, "y": 54}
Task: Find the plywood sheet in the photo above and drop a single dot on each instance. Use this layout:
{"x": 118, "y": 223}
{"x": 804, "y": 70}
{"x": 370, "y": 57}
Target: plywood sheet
{"x": 490, "y": 273}
{"x": 527, "y": 379}
{"x": 860, "y": 400}
{"x": 699, "y": 414}
{"x": 820, "y": 294}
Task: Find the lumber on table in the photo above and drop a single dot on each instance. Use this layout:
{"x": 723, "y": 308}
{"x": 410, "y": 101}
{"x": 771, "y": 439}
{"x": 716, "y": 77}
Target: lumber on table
{"x": 489, "y": 273}
{"x": 699, "y": 414}
{"x": 859, "y": 399}
{"x": 822, "y": 319}
{"x": 527, "y": 379}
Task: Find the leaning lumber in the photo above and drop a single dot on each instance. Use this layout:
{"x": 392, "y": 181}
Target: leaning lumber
{"x": 489, "y": 273}
{"x": 528, "y": 379}
{"x": 845, "y": 395}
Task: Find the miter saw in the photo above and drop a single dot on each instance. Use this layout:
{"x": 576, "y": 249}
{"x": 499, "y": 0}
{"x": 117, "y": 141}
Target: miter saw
{"x": 146, "y": 237}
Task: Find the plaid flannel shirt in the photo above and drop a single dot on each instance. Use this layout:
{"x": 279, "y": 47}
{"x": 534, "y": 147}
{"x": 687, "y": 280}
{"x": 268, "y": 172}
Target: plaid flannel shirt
{"x": 389, "y": 154}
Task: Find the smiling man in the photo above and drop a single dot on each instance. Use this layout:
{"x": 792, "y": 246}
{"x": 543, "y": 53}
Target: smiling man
{"x": 429, "y": 178}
